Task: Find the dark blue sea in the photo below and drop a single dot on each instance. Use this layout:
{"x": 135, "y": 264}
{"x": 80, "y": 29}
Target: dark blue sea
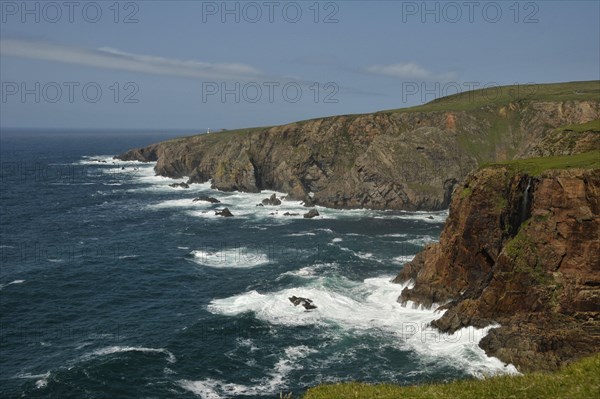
{"x": 115, "y": 285}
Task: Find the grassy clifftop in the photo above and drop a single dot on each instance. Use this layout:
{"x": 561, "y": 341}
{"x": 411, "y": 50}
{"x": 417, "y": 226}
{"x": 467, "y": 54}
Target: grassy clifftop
{"x": 578, "y": 380}
{"x": 535, "y": 166}
{"x": 503, "y": 95}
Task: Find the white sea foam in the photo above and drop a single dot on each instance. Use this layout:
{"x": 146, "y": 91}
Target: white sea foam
{"x": 239, "y": 257}
{"x": 42, "y": 382}
{"x": 337, "y": 239}
{"x": 428, "y": 217}
{"x": 395, "y": 235}
{"x": 42, "y": 379}
{"x": 370, "y": 307}
{"x": 2, "y": 286}
{"x": 402, "y": 259}
{"x": 102, "y": 160}
{"x": 272, "y": 383}
{"x": 109, "y": 350}
{"x": 422, "y": 241}
{"x": 310, "y": 271}
{"x": 308, "y": 233}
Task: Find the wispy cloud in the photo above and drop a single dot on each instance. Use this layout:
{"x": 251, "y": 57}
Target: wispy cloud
{"x": 110, "y": 58}
{"x": 115, "y": 59}
{"x": 409, "y": 70}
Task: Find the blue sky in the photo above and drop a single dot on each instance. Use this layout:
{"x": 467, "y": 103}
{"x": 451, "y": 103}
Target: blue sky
{"x": 199, "y": 64}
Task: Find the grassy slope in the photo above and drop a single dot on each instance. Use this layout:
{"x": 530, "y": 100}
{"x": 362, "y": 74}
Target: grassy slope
{"x": 535, "y": 166}
{"x": 502, "y": 95}
{"x": 591, "y": 126}
{"x": 578, "y": 380}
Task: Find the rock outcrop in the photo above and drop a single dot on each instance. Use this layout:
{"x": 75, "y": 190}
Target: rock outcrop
{"x": 313, "y": 213}
{"x": 305, "y": 302}
{"x": 520, "y": 249}
{"x": 204, "y": 198}
{"x": 409, "y": 159}
{"x": 179, "y": 185}
{"x": 225, "y": 213}
{"x": 272, "y": 200}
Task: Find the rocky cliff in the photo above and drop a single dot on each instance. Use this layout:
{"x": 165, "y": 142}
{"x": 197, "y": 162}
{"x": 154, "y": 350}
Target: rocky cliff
{"x": 407, "y": 159}
{"x": 521, "y": 248}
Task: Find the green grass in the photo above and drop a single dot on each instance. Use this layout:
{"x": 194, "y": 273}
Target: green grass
{"x": 591, "y": 126}
{"x": 579, "y": 380}
{"x": 466, "y": 192}
{"x": 535, "y": 166}
{"x": 503, "y": 95}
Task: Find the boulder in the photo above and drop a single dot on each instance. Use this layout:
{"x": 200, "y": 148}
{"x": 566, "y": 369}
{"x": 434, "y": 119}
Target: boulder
{"x": 225, "y": 213}
{"x": 311, "y": 214}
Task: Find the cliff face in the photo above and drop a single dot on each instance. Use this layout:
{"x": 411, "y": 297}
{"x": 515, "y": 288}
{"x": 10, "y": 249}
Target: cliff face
{"x": 520, "y": 249}
{"x": 406, "y": 159}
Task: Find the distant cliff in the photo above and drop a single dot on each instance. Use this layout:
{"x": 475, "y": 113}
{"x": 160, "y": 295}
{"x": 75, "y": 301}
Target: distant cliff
{"x": 521, "y": 248}
{"x": 407, "y": 159}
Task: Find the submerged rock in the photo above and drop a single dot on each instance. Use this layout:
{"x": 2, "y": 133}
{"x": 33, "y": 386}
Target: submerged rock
{"x": 207, "y": 199}
{"x": 179, "y": 185}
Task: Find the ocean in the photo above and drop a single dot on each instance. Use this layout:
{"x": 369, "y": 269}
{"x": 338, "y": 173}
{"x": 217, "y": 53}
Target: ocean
{"x": 114, "y": 284}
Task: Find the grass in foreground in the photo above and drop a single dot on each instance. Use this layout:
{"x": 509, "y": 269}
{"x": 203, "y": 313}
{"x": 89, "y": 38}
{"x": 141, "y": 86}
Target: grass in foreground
{"x": 535, "y": 166}
{"x": 580, "y": 380}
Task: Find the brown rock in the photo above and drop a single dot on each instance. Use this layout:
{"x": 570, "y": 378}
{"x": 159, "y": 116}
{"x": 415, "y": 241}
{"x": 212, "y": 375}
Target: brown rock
{"x": 530, "y": 265}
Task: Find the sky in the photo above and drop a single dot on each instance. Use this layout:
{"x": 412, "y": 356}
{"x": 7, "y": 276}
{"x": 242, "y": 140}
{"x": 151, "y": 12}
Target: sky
{"x": 214, "y": 64}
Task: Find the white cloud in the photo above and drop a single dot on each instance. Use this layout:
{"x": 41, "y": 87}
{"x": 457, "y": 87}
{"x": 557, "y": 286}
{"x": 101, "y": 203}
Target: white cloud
{"x": 110, "y": 58}
{"x": 408, "y": 70}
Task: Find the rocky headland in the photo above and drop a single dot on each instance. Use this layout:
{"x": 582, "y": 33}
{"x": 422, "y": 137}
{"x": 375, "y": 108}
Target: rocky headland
{"x": 520, "y": 248}
{"x": 520, "y": 173}
{"x": 408, "y": 159}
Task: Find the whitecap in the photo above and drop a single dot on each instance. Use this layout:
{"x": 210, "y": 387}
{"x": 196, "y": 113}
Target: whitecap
{"x": 239, "y": 257}
{"x": 2, "y": 286}
{"x": 109, "y": 350}
{"x": 274, "y": 381}
{"x": 42, "y": 382}
{"x": 422, "y": 241}
{"x": 402, "y": 259}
